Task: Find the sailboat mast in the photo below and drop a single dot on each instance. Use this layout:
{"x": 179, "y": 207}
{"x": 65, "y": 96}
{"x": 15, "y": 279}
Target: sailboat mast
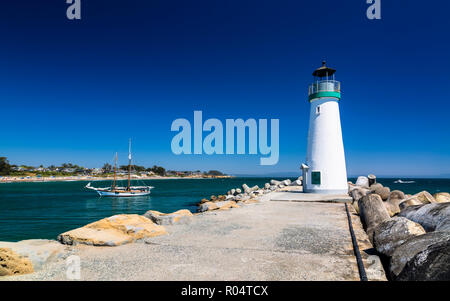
{"x": 115, "y": 168}
{"x": 129, "y": 165}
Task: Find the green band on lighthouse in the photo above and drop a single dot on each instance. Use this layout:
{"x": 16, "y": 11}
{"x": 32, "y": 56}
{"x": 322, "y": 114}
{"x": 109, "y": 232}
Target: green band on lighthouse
{"x": 325, "y": 94}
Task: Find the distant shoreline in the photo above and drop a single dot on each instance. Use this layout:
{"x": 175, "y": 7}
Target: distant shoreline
{"x": 7, "y": 179}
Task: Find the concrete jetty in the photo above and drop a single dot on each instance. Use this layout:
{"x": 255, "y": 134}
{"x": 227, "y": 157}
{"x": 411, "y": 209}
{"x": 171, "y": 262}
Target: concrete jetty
{"x": 267, "y": 240}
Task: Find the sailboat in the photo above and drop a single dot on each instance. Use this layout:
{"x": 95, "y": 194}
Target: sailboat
{"x": 117, "y": 191}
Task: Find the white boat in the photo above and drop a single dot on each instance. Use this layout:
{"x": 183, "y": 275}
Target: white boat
{"x": 117, "y": 191}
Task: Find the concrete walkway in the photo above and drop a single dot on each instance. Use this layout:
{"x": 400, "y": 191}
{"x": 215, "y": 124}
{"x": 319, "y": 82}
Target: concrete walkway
{"x": 263, "y": 241}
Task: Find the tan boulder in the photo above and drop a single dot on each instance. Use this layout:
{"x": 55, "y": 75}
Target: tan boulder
{"x": 393, "y": 202}
{"x": 12, "y": 263}
{"x": 207, "y": 206}
{"x": 392, "y": 207}
{"x": 425, "y": 197}
{"x": 180, "y": 216}
{"x": 411, "y": 201}
{"x": 227, "y": 205}
{"x": 442, "y": 197}
{"x": 113, "y": 231}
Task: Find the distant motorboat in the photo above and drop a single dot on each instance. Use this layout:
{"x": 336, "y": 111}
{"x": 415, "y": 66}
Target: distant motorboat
{"x": 400, "y": 181}
{"x": 117, "y": 191}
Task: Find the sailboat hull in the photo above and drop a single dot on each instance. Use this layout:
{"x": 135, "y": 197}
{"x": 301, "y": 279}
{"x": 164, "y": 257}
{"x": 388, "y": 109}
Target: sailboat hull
{"x": 122, "y": 194}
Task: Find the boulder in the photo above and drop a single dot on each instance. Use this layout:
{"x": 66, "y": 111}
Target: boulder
{"x": 113, "y": 231}
{"x": 287, "y": 182}
{"x": 38, "y": 251}
{"x": 232, "y": 191}
{"x": 274, "y": 182}
{"x": 362, "y": 182}
{"x": 442, "y": 197}
{"x": 266, "y": 186}
{"x": 213, "y": 198}
{"x": 245, "y": 188}
{"x": 425, "y": 197}
{"x": 391, "y": 233}
{"x": 296, "y": 183}
{"x": 12, "y": 263}
{"x": 411, "y": 201}
{"x": 204, "y": 201}
{"x": 254, "y": 188}
{"x": 227, "y": 205}
{"x": 181, "y": 217}
{"x": 432, "y": 217}
{"x": 382, "y": 191}
{"x": 221, "y": 198}
{"x": 237, "y": 191}
{"x": 393, "y": 202}
{"x": 396, "y": 195}
{"x": 423, "y": 257}
{"x": 372, "y": 179}
{"x": 358, "y": 193}
{"x": 392, "y": 207}
{"x": 208, "y": 206}
{"x": 372, "y": 213}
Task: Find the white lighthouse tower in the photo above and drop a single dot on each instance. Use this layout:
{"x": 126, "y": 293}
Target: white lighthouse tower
{"x": 324, "y": 170}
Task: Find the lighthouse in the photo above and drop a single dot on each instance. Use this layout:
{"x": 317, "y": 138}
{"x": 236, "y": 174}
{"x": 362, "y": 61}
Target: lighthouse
{"x": 324, "y": 170}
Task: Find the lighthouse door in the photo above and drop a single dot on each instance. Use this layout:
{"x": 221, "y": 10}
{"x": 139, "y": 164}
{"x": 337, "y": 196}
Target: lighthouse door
{"x": 315, "y": 177}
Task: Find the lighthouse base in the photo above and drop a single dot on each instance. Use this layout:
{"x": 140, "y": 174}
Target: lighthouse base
{"x": 325, "y": 191}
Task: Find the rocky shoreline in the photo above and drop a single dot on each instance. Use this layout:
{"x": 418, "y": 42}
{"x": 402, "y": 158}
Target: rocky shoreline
{"x": 411, "y": 232}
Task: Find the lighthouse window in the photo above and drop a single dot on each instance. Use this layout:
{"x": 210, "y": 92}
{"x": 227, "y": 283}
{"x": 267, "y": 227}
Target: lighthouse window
{"x": 315, "y": 177}
{"x": 318, "y": 110}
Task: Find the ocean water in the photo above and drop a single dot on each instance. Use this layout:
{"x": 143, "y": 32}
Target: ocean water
{"x": 44, "y": 210}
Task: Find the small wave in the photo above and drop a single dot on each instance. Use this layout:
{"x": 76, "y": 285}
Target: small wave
{"x": 399, "y": 181}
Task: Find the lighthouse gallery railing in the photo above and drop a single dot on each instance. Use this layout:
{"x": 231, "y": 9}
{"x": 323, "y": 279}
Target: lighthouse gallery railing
{"x": 325, "y": 85}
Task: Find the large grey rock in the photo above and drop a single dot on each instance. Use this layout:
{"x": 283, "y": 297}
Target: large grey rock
{"x": 362, "y": 181}
{"x": 424, "y": 257}
{"x": 396, "y": 195}
{"x": 266, "y": 186}
{"x": 432, "y": 217}
{"x": 274, "y": 182}
{"x": 182, "y": 216}
{"x": 245, "y": 188}
{"x": 392, "y": 233}
{"x": 372, "y": 213}
{"x": 287, "y": 182}
{"x": 382, "y": 191}
{"x": 357, "y": 194}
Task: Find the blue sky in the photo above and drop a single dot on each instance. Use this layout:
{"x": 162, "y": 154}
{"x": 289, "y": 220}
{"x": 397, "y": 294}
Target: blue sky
{"x": 75, "y": 91}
